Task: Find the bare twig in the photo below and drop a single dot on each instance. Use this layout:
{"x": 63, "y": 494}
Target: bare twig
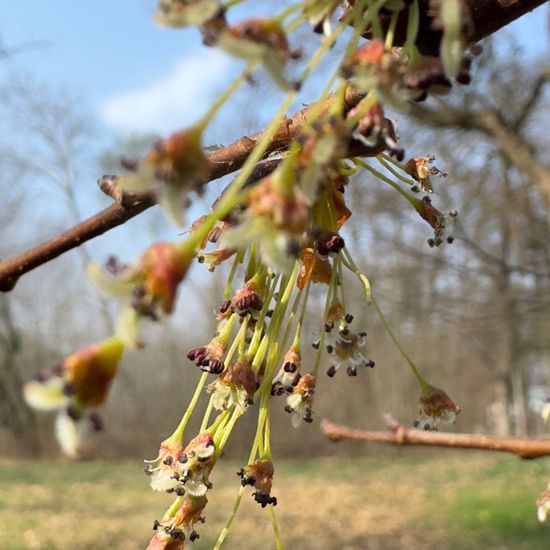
{"x": 223, "y": 161}
{"x": 487, "y": 16}
{"x": 400, "y": 435}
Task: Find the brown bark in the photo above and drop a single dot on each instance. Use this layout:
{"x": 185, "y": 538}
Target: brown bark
{"x": 487, "y": 16}
{"x": 224, "y": 161}
{"x": 399, "y": 435}
{"x": 482, "y": 18}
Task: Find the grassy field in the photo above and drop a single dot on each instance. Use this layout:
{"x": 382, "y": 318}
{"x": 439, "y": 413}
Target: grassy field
{"x": 412, "y": 501}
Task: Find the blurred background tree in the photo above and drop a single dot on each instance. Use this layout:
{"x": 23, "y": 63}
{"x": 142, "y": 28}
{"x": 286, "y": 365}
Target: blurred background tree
{"x": 475, "y": 315}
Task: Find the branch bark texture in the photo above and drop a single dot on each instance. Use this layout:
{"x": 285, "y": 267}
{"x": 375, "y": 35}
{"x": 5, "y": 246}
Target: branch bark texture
{"x": 486, "y": 17}
{"x": 400, "y": 435}
{"x": 223, "y": 161}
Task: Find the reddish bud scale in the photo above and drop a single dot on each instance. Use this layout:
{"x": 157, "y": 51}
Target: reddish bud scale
{"x": 287, "y": 210}
{"x": 91, "y": 370}
{"x": 435, "y": 403}
{"x": 163, "y": 268}
{"x": 180, "y": 157}
{"x": 370, "y": 53}
{"x": 241, "y": 375}
{"x": 314, "y": 268}
{"x": 429, "y": 213}
{"x": 262, "y": 31}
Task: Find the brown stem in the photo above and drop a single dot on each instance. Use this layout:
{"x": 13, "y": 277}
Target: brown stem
{"x": 400, "y": 435}
{"x": 486, "y": 17}
{"x": 482, "y": 18}
{"x": 223, "y": 161}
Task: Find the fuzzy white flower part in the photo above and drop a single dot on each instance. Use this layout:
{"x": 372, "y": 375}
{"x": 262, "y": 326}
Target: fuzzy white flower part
{"x": 47, "y": 395}
{"x": 162, "y": 479}
{"x": 70, "y": 433}
{"x": 300, "y": 401}
{"x": 235, "y": 386}
{"x": 346, "y": 349}
{"x": 296, "y": 403}
{"x": 543, "y": 505}
{"x": 195, "y": 487}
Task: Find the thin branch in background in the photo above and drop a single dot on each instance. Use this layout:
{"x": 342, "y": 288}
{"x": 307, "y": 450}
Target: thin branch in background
{"x": 400, "y": 435}
{"x": 223, "y": 161}
{"x": 486, "y": 18}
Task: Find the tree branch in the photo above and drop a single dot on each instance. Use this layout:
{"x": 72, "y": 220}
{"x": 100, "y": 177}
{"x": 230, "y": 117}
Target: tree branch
{"x": 399, "y": 435}
{"x": 484, "y": 17}
{"x": 491, "y": 123}
{"x": 223, "y": 161}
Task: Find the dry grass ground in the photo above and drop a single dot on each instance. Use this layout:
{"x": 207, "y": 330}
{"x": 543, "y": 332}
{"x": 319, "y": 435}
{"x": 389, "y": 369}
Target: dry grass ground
{"x": 410, "y": 501}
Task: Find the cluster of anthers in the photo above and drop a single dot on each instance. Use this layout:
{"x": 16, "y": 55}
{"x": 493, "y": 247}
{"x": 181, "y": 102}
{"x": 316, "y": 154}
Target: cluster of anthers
{"x": 282, "y": 235}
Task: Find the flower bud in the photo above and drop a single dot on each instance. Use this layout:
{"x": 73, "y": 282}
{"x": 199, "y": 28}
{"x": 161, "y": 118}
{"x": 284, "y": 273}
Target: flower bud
{"x": 435, "y": 406}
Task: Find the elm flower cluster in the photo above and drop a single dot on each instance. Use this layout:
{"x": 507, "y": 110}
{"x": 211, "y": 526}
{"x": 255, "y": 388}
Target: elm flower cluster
{"x": 277, "y": 236}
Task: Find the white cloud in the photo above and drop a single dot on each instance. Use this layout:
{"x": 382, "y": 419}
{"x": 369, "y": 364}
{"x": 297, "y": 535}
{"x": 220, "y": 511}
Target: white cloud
{"x": 175, "y": 100}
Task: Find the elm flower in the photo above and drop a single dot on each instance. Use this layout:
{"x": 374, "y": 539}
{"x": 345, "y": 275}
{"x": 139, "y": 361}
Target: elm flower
{"x": 322, "y": 145}
{"x": 183, "y": 13}
{"x": 442, "y": 224}
{"x": 376, "y": 132}
{"x": 543, "y": 505}
{"x": 289, "y": 373}
{"x": 346, "y": 348}
{"x": 184, "y": 471}
{"x": 278, "y": 199}
{"x": 373, "y": 66}
{"x": 165, "y": 470}
{"x": 209, "y": 358}
{"x": 172, "y": 532}
{"x": 152, "y": 284}
{"x": 435, "y": 407}
{"x": 276, "y": 218}
{"x": 260, "y": 40}
{"x": 419, "y": 168}
{"x": 78, "y": 384}
{"x": 248, "y": 298}
{"x": 259, "y": 474}
{"x": 214, "y": 258}
{"x": 300, "y": 401}
{"x": 235, "y": 386}
{"x": 173, "y": 167}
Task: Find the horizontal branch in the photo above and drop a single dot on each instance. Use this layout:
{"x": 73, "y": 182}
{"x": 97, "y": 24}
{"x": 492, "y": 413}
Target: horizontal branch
{"x": 484, "y": 17}
{"x": 487, "y": 16}
{"x": 223, "y": 161}
{"x": 399, "y": 435}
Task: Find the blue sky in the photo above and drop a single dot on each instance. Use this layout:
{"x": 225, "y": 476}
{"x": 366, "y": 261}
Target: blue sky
{"x": 112, "y": 55}
{"x": 131, "y": 75}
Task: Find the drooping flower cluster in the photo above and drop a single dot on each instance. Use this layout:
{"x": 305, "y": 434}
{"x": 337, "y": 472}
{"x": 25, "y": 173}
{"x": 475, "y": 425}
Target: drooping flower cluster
{"x": 281, "y": 233}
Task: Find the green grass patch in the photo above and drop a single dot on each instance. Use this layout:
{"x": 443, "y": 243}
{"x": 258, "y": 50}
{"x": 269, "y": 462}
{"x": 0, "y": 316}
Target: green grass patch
{"x": 450, "y": 500}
